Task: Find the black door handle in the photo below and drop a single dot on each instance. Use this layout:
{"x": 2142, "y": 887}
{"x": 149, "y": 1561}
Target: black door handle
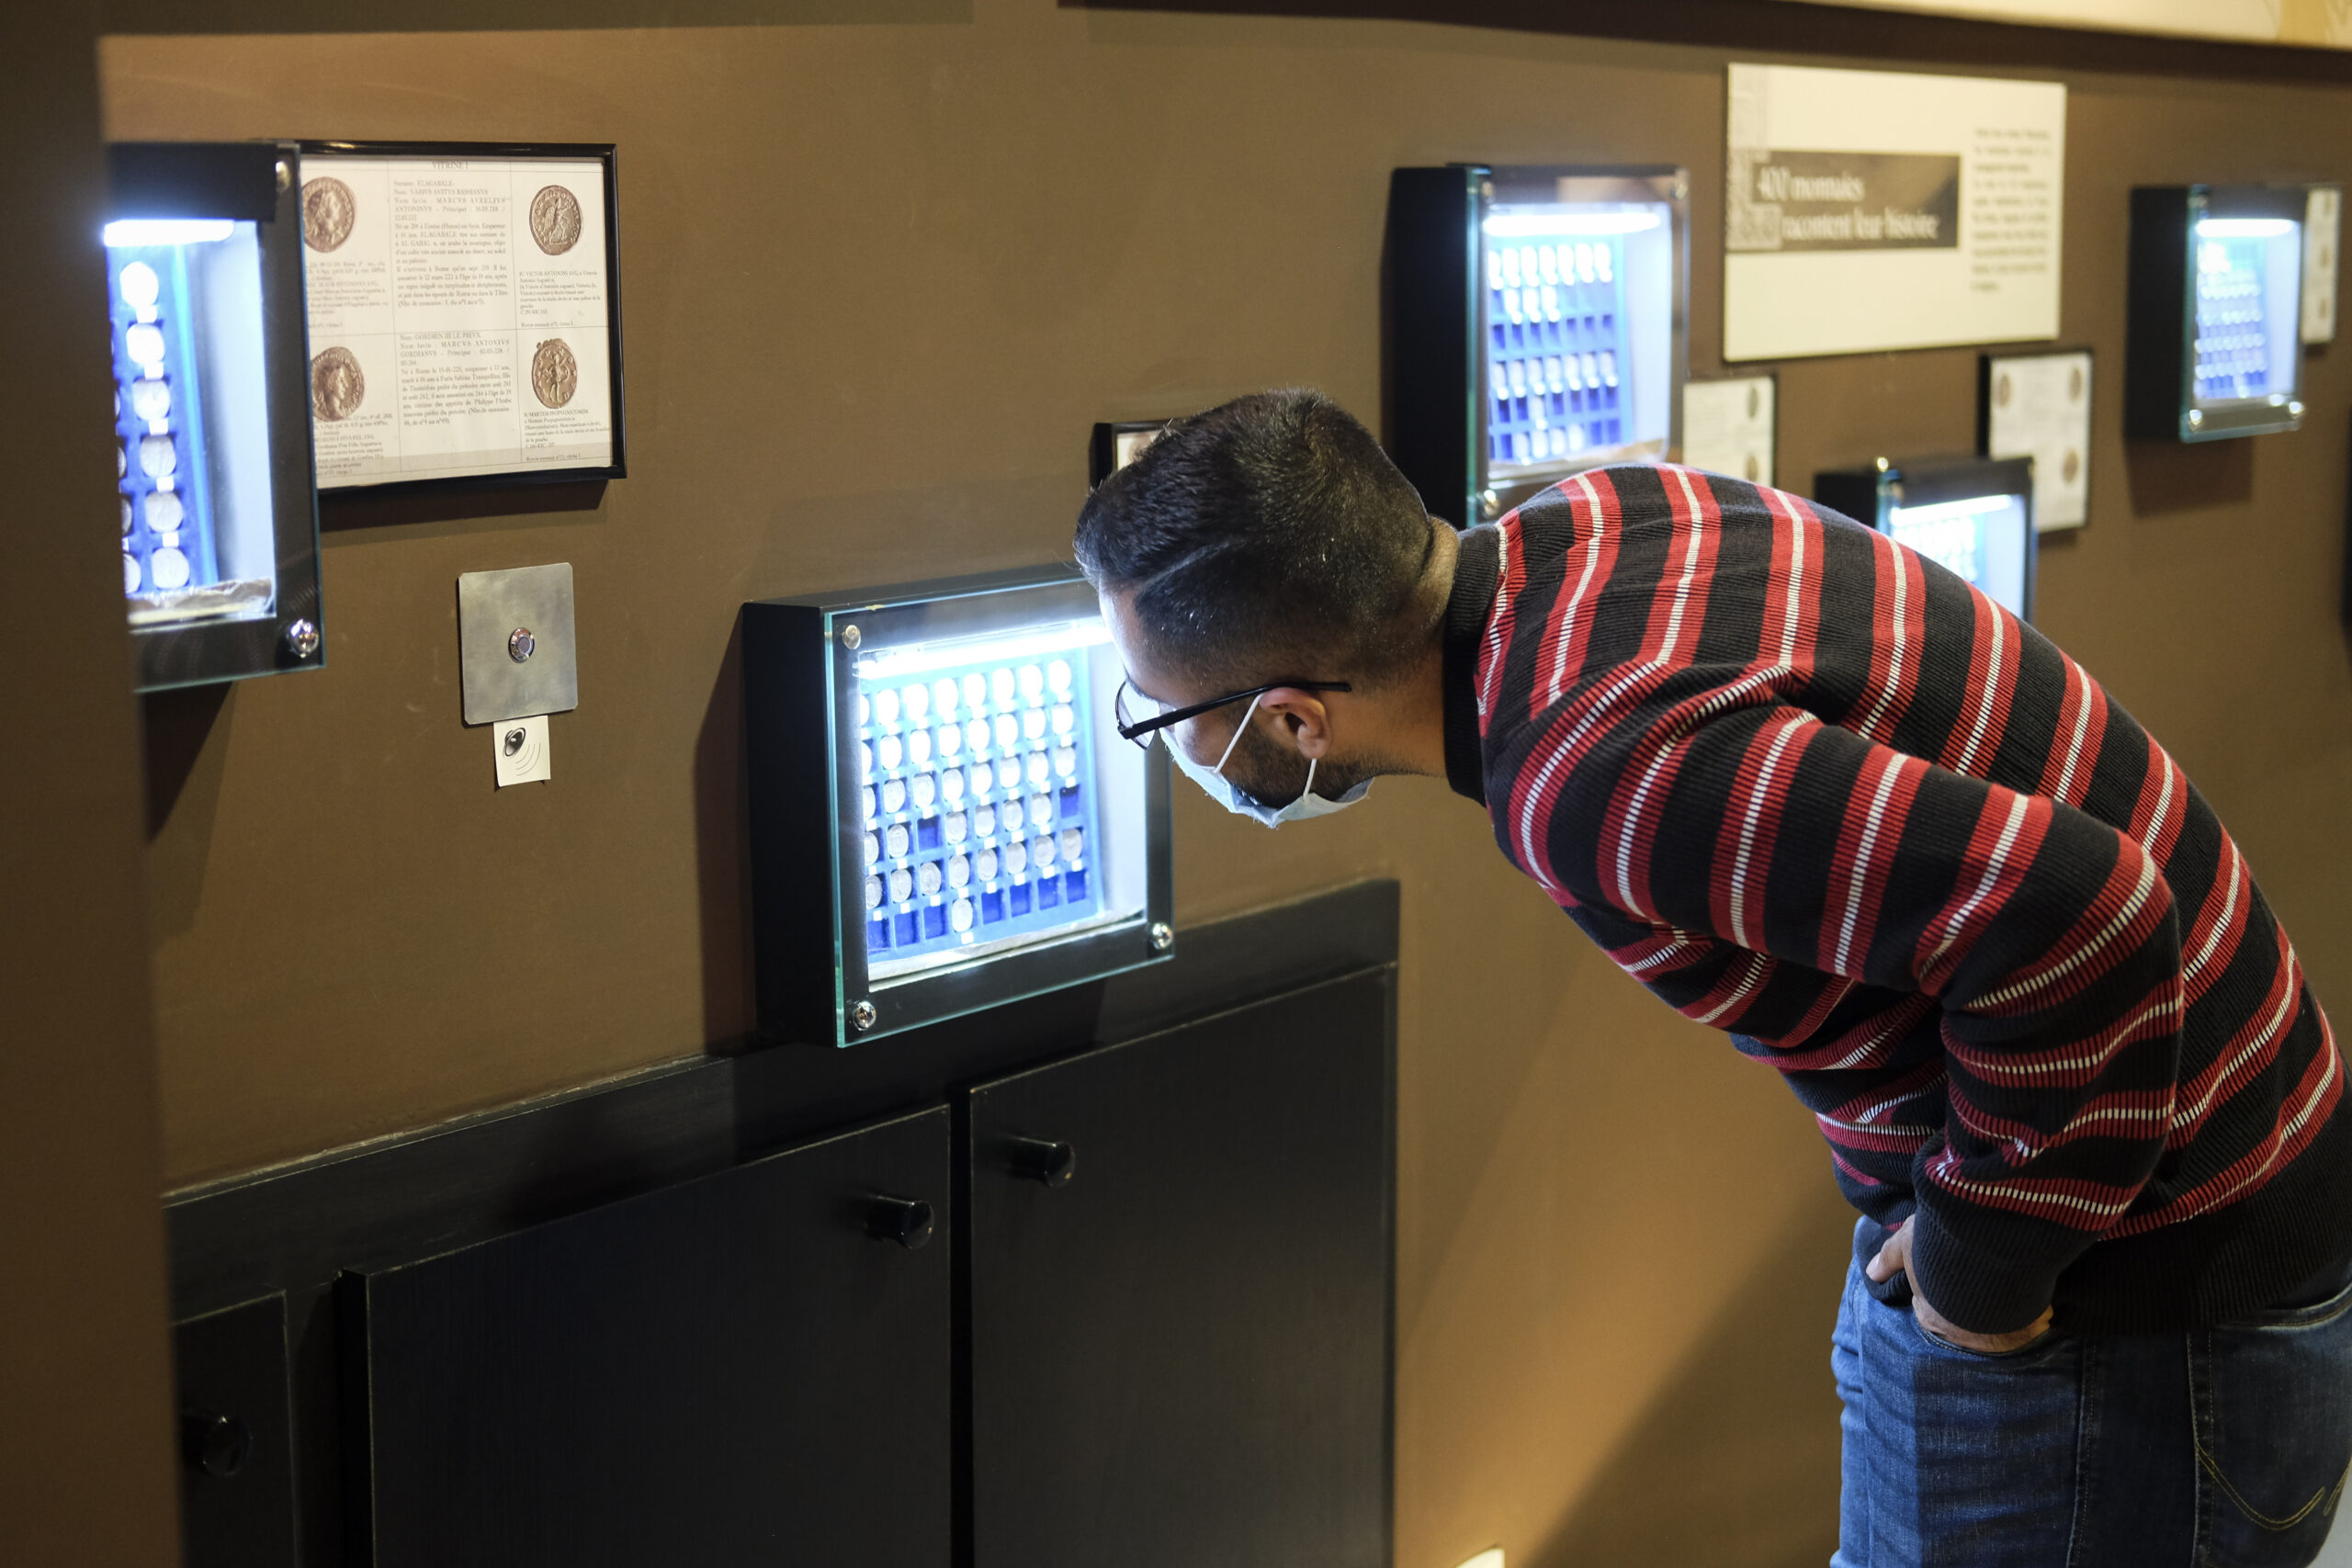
{"x": 217, "y": 1445}
{"x": 1041, "y": 1159}
{"x": 907, "y": 1221}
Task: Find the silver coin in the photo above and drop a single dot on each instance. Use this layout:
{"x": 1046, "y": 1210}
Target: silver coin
{"x": 164, "y": 511}
{"x": 555, "y": 220}
{"x": 328, "y": 211}
{"x": 555, "y": 375}
{"x": 337, "y": 385}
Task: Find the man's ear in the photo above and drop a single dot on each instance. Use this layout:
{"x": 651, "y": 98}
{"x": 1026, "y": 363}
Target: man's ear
{"x": 1300, "y": 719}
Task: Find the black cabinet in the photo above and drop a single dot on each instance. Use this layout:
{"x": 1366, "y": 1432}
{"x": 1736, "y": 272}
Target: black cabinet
{"x": 1179, "y": 1285}
{"x": 750, "y": 1368}
{"x": 236, "y": 1436}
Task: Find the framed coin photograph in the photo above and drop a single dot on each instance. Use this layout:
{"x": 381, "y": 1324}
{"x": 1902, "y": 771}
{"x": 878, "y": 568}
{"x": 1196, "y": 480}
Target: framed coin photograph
{"x": 2039, "y": 406}
{"x": 465, "y": 319}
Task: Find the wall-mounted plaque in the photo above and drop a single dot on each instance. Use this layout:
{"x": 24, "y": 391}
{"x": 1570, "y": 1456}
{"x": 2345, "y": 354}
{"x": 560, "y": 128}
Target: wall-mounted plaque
{"x": 1729, "y": 426}
{"x": 464, "y": 311}
{"x": 2039, "y": 406}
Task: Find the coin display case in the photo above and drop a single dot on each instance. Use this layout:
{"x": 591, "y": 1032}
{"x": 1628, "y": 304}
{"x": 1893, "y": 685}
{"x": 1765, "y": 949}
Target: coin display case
{"x": 1973, "y": 515}
{"x": 2215, "y": 344}
{"x": 1536, "y": 326}
{"x": 213, "y": 457}
{"x": 944, "y": 816}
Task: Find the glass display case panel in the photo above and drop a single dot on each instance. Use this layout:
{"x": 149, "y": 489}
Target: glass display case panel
{"x": 212, "y": 452}
{"x": 1537, "y": 320}
{"x": 1972, "y": 515}
{"x": 2216, "y": 311}
{"x": 945, "y": 817}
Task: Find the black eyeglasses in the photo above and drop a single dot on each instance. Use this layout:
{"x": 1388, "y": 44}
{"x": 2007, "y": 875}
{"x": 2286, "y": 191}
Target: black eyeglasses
{"x": 1141, "y": 730}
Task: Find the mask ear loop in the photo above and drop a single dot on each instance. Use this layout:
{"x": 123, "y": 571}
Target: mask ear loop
{"x": 1239, "y": 731}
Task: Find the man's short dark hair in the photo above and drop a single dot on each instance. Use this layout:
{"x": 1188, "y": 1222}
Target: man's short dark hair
{"x": 1269, "y": 538}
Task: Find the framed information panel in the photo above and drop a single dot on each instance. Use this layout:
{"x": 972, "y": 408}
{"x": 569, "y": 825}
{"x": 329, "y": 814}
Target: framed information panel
{"x": 464, "y": 303}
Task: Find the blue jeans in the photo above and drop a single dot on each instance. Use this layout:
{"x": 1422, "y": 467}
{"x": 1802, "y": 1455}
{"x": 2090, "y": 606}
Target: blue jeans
{"x": 2225, "y": 1447}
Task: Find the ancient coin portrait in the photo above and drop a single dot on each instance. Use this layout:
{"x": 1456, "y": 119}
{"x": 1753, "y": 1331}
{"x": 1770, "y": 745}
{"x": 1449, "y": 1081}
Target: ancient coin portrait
{"x": 555, "y": 220}
{"x": 328, "y": 211}
{"x": 555, "y": 375}
{"x": 337, "y": 388}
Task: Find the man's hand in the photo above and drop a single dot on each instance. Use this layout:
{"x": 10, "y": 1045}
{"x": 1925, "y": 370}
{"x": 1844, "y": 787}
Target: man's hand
{"x": 1895, "y": 1257}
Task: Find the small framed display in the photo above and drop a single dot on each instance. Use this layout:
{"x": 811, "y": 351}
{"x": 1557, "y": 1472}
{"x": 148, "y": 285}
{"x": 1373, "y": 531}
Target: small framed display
{"x": 1119, "y": 443}
{"x": 464, "y": 304}
{"x": 1728, "y": 427}
{"x": 2039, "y": 406}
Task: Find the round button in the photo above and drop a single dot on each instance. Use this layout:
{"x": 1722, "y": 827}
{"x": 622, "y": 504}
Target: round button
{"x": 976, "y": 690}
{"x": 1058, "y": 677}
{"x": 164, "y": 511}
{"x": 1041, "y": 851}
{"x": 928, "y": 879}
{"x": 1065, "y": 718}
{"x": 886, "y": 706}
{"x": 873, "y": 849}
{"x": 976, "y": 735}
{"x": 1008, "y": 772}
{"x": 872, "y": 892}
{"x": 959, "y": 871}
{"x": 950, "y": 786}
{"x": 951, "y": 740}
{"x": 151, "y": 400}
{"x": 1041, "y": 810}
{"x": 954, "y": 828}
{"x": 170, "y": 567}
{"x": 140, "y": 287}
{"x": 902, "y": 885}
{"x": 865, "y": 797}
{"x": 959, "y": 915}
{"x": 1032, "y": 682}
{"x": 894, "y": 795}
{"x": 894, "y": 839}
{"x": 916, "y": 699}
{"x": 923, "y": 790}
{"x": 1016, "y": 858}
{"x": 157, "y": 455}
{"x": 1073, "y": 843}
{"x": 1039, "y": 768}
{"x": 984, "y": 863}
{"x": 144, "y": 343}
{"x": 1066, "y": 760}
{"x": 1008, "y": 731}
{"x": 984, "y": 820}
{"x": 919, "y": 747}
{"x": 982, "y": 777}
{"x": 1032, "y": 724}
{"x": 888, "y": 750}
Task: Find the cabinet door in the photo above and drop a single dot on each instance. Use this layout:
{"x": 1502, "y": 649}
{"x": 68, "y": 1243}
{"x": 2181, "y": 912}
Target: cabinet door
{"x": 736, "y": 1370}
{"x": 1180, "y": 1255}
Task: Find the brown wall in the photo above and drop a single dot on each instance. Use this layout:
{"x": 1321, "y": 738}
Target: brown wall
{"x": 86, "y": 1464}
{"x": 879, "y": 281}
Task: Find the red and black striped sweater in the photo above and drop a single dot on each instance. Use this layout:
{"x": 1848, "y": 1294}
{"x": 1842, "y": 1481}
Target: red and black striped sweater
{"x": 1817, "y": 790}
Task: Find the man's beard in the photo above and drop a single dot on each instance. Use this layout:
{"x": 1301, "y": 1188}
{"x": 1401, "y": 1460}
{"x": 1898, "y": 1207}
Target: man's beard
{"x": 1274, "y": 775}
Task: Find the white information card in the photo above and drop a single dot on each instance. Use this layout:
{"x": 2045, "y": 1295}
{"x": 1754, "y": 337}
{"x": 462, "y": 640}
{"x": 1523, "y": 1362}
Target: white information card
{"x": 2039, "y": 406}
{"x": 1869, "y": 209}
{"x": 1727, "y": 427}
{"x": 460, "y": 316}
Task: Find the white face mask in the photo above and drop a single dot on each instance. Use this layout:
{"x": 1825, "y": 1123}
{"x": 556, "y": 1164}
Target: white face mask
{"x": 1241, "y": 803}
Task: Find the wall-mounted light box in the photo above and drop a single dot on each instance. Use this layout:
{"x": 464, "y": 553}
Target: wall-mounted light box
{"x": 2215, "y": 312}
{"x": 1972, "y": 515}
{"x": 944, "y": 816}
{"x": 1537, "y": 323}
{"x": 211, "y": 409}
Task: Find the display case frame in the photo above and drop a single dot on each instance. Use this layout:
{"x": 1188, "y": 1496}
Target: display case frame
{"x": 813, "y": 975}
{"x": 1869, "y": 492}
{"x": 607, "y": 156}
{"x": 1438, "y": 356}
{"x": 2161, "y": 403}
{"x": 256, "y": 182}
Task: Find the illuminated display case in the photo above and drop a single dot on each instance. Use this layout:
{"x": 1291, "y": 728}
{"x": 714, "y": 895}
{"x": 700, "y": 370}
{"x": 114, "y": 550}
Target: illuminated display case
{"x": 211, "y": 410}
{"x": 1536, "y": 322}
{"x": 1973, "y": 515}
{"x": 944, "y": 816}
{"x": 2216, "y": 311}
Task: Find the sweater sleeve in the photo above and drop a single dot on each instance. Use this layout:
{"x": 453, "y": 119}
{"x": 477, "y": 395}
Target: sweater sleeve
{"x": 2047, "y": 938}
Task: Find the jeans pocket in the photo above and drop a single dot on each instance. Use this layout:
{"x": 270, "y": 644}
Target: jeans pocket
{"x": 2272, "y": 1406}
{"x": 1991, "y": 1357}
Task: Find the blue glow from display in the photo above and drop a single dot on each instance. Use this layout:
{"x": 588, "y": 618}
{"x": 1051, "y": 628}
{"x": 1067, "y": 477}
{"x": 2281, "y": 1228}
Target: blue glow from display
{"x": 1559, "y": 342}
{"x": 154, "y": 368}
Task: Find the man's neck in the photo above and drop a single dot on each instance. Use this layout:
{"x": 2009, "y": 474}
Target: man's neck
{"x": 1413, "y": 717}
